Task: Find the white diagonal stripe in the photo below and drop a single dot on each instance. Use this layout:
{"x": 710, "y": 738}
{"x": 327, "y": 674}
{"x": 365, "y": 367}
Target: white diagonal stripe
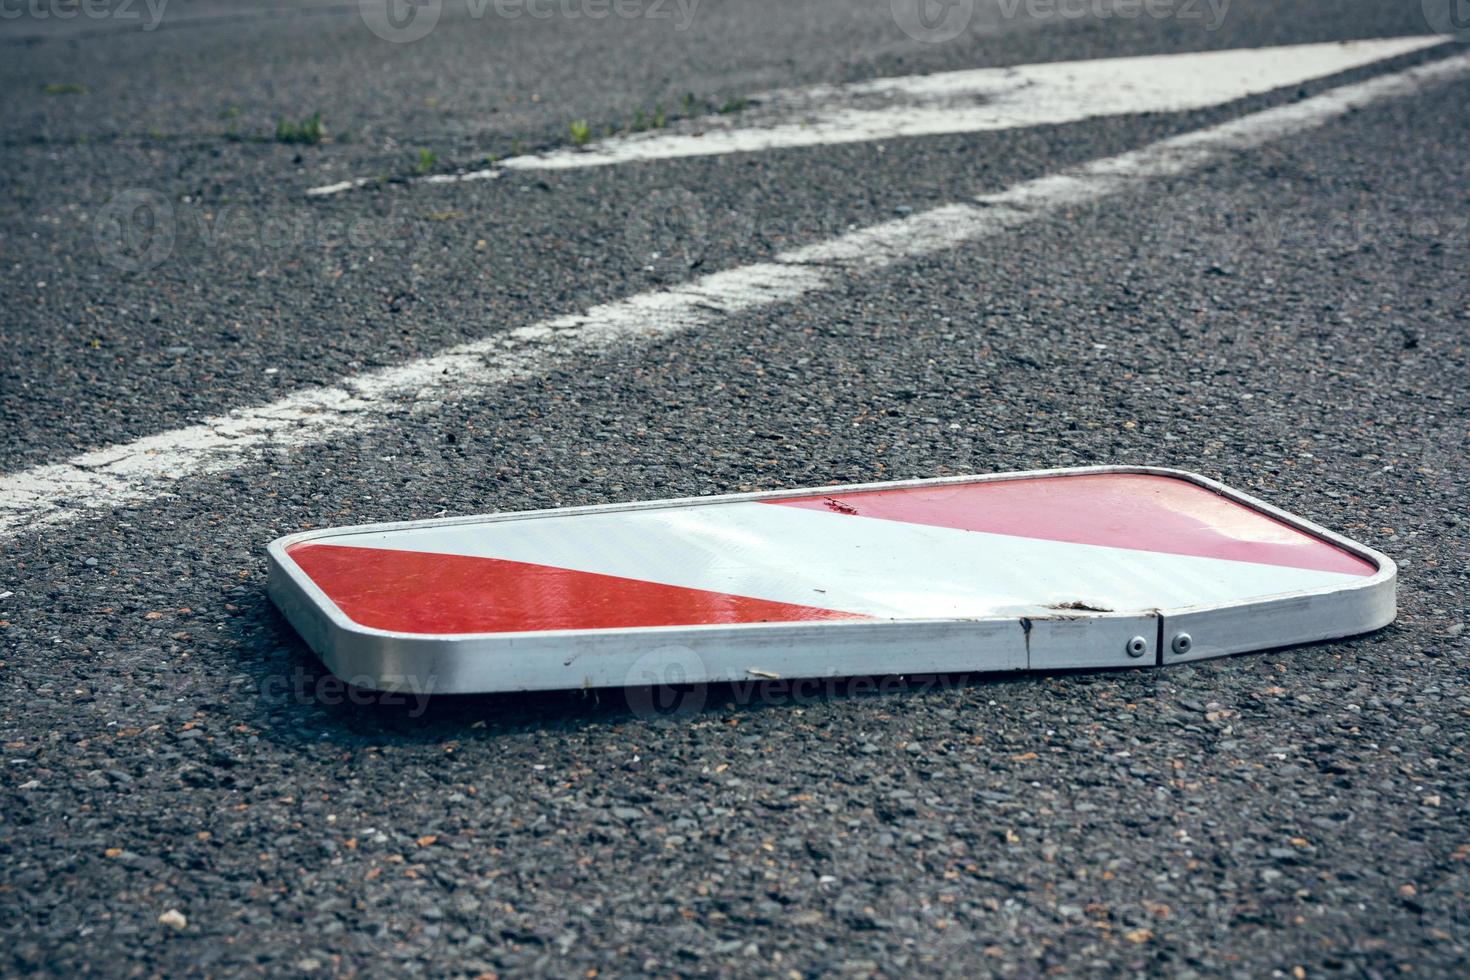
{"x": 889, "y": 569}
{"x": 150, "y": 467}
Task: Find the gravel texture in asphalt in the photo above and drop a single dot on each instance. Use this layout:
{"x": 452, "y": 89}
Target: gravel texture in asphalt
{"x": 185, "y": 790}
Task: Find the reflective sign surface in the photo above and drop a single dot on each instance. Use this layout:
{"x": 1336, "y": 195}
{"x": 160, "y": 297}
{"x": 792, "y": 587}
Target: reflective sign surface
{"x": 1101, "y": 545}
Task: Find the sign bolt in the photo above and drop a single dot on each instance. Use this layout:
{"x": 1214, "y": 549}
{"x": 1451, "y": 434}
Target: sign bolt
{"x": 1137, "y": 646}
{"x": 1182, "y": 644}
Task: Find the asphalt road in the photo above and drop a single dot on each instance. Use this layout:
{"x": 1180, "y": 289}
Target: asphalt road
{"x": 183, "y": 788}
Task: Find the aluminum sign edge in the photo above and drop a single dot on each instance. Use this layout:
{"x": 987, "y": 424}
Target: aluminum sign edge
{"x": 380, "y": 659}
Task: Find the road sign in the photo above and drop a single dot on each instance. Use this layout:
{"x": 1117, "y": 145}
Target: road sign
{"x": 1086, "y": 568}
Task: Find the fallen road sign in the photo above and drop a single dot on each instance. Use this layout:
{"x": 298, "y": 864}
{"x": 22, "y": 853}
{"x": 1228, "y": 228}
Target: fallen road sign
{"x": 1097, "y": 567}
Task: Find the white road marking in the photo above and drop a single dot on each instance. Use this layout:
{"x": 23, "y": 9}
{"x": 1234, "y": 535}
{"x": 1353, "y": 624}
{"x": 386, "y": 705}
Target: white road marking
{"x": 964, "y": 102}
{"x": 148, "y": 468}
{"x": 885, "y": 568}
{"x": 351, "y": 185}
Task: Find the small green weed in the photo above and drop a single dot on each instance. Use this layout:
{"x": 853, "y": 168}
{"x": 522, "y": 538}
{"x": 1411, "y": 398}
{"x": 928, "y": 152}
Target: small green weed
{"x": 309, "y": 131}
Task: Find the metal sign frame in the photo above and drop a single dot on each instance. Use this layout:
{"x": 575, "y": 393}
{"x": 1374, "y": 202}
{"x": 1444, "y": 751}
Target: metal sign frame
{"x": 1073, "y": 639}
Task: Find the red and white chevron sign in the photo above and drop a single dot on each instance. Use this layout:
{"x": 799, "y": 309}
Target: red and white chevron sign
{"x": 1084, "y": 568}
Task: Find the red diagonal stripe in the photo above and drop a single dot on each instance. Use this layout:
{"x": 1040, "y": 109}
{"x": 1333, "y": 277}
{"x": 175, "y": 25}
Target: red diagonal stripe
{"x": 1118, "y": 510}
{"x": 417, "y": 592}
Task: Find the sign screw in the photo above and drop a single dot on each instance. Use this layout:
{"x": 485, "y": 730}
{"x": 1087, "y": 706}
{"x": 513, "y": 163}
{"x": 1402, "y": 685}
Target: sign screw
{"x": 1137, "y": 646}
{"x": 1182, "y": 644}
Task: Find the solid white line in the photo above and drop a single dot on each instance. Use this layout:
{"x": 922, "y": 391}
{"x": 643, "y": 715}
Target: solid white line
{"x": 884, "y": 568}
{"x": 148, "y": 468}
{"x": 967, "y": 101}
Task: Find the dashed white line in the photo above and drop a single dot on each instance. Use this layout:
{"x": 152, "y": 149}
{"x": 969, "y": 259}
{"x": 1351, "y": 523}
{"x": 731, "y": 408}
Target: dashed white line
{"x": 969, "y": 101}
{"x": 151, "y": 467}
